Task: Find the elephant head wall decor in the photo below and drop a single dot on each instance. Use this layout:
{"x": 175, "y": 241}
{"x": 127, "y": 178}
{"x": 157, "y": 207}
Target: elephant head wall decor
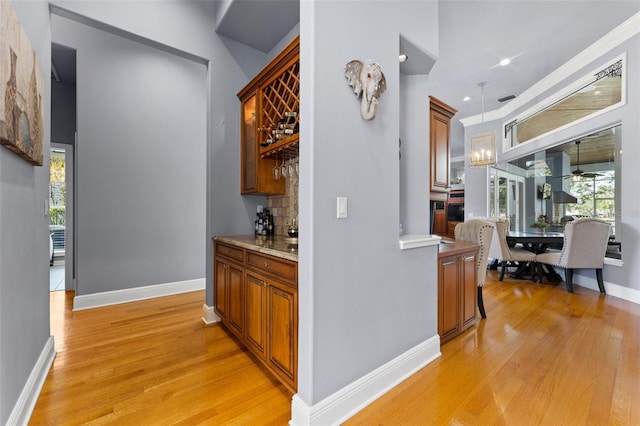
{"x": 366, "y": 79}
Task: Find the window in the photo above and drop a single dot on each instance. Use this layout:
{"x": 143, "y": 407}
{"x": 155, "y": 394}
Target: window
{"x": 589, "y": 96}
{"x": 596, "y": 196}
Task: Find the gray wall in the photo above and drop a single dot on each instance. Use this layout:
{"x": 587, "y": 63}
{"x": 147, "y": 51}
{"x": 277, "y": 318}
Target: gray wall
{"x": 140, "y": 161}
{"x": 362, "y": 301}
{"x": 229, "y": 68}
{"x": 626, "y": 275}
{"x": 24, "y": 291}
{"x": 24, "y": 242}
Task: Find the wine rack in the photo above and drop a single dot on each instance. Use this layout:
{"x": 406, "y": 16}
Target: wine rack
{"x": 280, "y": 97}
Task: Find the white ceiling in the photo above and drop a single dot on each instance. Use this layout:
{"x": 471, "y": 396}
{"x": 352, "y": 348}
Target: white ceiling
{"x": 475, "y": 35}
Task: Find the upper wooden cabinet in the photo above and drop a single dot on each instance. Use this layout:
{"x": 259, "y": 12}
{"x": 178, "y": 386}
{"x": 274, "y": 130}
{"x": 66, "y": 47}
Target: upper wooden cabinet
{"x": 269, "y": 122}
{"x": 439, "y": 124}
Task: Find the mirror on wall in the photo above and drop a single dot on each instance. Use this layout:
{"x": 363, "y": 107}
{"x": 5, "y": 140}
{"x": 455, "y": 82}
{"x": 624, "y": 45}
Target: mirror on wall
{"x": 579, "y": 178}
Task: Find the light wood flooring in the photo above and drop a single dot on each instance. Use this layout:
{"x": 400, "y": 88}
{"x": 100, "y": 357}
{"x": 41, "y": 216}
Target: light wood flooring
{"x": 542, "y": 357}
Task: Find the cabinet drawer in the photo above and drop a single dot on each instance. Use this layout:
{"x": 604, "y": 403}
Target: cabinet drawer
{"x": 272, "y": 265}
{"x": 230, "y": 251}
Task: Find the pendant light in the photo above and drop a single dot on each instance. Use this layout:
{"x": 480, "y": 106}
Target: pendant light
{"x": 483, "y": 145}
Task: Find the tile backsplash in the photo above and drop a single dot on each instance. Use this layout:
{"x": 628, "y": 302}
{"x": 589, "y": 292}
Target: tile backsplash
{"x": 284, "y": 208}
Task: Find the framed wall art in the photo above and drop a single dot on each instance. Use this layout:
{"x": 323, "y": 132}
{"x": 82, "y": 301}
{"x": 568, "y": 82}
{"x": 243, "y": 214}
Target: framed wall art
{"x": 22, "y": 86}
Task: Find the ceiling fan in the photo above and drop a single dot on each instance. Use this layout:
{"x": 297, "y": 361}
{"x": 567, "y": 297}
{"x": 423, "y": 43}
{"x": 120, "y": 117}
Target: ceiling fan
{"x": 578, "y": 171}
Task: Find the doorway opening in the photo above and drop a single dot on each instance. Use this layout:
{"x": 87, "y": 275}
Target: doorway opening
{"x": 57, "y": 219}
{"x": 62, "y": 165}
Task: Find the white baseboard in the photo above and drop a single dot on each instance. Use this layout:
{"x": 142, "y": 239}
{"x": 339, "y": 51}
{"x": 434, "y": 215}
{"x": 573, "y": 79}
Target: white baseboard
{"x": 208, "y": 315}
{"x": 615, "y": 290}
{"x": 115, "y": 297}
{"x": 23, "y": 409}
{"x": 346, "y": 402}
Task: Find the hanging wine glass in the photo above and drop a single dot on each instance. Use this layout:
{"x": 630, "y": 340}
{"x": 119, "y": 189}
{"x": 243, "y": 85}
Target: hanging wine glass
{"x": 276, "y": 170}
{"x": 283, "y": 169}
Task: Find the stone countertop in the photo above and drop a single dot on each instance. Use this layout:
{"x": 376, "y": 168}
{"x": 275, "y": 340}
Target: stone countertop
{"x": 454, "y": 247}
{"x": 278, "y": 246}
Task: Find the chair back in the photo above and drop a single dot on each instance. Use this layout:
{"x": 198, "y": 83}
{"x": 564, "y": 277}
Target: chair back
{"x": 499, "y": 247}
{"x": 480, "y": 232}
{"x": 585, "y": 243}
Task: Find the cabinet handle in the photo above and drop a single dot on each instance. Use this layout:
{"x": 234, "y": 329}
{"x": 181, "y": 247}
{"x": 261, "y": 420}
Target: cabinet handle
{"x": 264, "y": 283}
{"x": 266, "y": 264}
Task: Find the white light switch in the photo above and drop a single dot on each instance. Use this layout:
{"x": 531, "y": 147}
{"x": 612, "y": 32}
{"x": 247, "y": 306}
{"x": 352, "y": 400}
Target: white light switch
{"x": 342, "y": 207}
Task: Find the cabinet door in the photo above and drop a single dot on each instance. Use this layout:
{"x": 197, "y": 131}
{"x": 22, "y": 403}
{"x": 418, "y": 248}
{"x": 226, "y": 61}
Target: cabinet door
{"x": 448, "y": 298}
{"x": 469, "y": 290}
{"x": 256, "y": 313}
{"x": 283, "y": 333}
{"x": 248, "y": 146}
{"x": 235, "y": 307}
{"x": 439, "y": 152}
{"x": 220, "y": 288}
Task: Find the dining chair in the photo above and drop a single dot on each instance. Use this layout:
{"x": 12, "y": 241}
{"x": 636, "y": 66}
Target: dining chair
{"x": 509, "y": 256}
{"x": 479, "y": 232}
{"x": 585, "y": 246}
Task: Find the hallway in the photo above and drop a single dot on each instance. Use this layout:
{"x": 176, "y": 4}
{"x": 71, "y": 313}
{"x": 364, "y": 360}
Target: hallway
{"x": 56, "y": 275}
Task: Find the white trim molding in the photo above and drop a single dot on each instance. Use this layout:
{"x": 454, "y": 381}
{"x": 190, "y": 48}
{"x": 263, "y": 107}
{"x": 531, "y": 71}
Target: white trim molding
{"x": 209, "y": 315}
{"x": 343, "y": 404}
{"x": 615, "y": 37}
{"x": 23, "y": 409}
{"x": 107, "y": 298}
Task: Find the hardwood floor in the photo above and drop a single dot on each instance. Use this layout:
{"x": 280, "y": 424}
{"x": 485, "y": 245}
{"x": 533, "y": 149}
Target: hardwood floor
{"x": 153, "y": 363}
{"x": 543, "y": 356}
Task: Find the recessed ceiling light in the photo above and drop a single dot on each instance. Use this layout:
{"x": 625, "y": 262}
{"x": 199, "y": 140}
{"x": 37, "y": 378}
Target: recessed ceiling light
{"x": 403, "y": 57}
{"x": 504, "y": 62}
{"x": 466, "y": 98}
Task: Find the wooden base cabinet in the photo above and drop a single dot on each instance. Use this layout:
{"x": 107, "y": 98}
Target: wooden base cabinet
{"x": 457, "y": 289}
{"x": 228, "y": 293}
{"x": 267, "y": 302}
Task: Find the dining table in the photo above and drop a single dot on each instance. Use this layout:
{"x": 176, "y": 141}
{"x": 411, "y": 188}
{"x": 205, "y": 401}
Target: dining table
{"x": 537, "y": 242}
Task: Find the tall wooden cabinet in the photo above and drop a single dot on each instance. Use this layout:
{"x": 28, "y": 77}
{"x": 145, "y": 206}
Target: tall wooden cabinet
{"x": 457, "y": 288}
{"x": 440, "y": 115}
{"x": 265, "y": 101}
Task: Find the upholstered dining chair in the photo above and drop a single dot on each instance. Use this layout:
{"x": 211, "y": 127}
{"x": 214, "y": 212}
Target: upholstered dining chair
{"x": 585, "y": 246}
{"x": 479, "y": 232}
{"x": 504, "y": 254}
